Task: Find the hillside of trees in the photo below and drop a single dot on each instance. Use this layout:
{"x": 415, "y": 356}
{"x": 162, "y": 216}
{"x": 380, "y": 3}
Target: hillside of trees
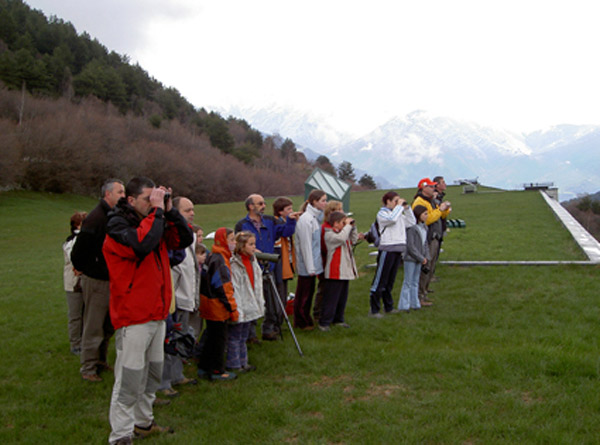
{"x": 72, "y": 114}
{"x": 586, "y": 210}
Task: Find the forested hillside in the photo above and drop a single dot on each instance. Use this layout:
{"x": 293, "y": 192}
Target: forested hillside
{"x": 72, "y": 113}
{"x": 586, "y": 210}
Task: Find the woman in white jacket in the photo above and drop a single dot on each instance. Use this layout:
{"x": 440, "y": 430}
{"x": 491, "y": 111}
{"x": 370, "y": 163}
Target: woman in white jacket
{"x": 246, "y": 276}
{"x": 393, "y": 219}
{"x": 72, "y": 284}
{"x": 308, "y": 257}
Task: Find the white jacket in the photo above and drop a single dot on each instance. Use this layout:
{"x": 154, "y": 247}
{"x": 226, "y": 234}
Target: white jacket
{"x": 340, "y": 263}
{"x": 69, "y": 278}
{"x": 393, "y": 225}
{"x": 308, "y": 243}
{"x": 186, "y": 281}
{"x": 250, "y": 301}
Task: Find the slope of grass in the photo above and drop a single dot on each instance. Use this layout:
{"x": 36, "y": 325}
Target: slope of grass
{"x": 506, "y": 354}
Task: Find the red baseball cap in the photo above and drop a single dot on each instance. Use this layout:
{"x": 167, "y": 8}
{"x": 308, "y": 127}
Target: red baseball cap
{"x": 425, "y": 182}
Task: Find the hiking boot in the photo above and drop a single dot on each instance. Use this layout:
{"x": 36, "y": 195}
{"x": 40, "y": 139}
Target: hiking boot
{"x": 161, "y": 402}
{"x": 168, "y": 392}
{"x": 103, "y": 366}
{"x": 253, "y": 341}
{"x": 186, "y": 381}
{"x": 242, "y": 370}
{"x": 342, "y": 325}
{"x": 143, "y": 432}
{"x": 91, "y": 378}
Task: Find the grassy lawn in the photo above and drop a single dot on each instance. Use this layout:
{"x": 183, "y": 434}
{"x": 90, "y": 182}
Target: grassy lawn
{"x": 506, "y": 354}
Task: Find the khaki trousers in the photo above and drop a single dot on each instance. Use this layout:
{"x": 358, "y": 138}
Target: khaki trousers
{"x": 97, "y": 328}
{"x": 138, "y": 371}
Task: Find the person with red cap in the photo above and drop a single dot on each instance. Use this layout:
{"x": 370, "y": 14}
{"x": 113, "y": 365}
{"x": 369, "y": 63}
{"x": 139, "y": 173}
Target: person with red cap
{"x": 436, "y": 211}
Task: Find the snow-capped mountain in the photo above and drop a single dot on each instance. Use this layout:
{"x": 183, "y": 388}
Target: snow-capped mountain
{"x": 305, "y": 129}
{"x": 405, "y": 149}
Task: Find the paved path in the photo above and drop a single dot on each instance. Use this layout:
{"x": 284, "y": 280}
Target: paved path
{"x": 587, "y": 242}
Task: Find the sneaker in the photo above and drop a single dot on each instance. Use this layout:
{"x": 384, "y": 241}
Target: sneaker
{"x": 124, "y": 441}
{"x": 249, "y": 368}
{"x": 91, "y": 377}
{"x": 168, "y": 392}
{"x": 393, "y": 311}
{"x": 223, "y": 376}
{"x": 324, "y": 328}
{"x": 375, "y": 315}
{"x": 342, "y": 325}
{"x": 143, "y": 432}
{"x": 186, "y": 381}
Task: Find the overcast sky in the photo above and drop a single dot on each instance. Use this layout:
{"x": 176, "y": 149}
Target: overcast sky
{"x": 520, "y": 65}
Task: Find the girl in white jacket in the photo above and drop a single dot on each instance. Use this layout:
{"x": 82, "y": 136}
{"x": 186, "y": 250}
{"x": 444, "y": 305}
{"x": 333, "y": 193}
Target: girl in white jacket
{"x": 393, "y": 219}
{"x": 246, "y": 276}
{"x": 308, "y": 257}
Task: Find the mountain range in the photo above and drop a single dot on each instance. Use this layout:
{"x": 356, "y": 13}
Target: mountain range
{"x": 405, "y": 149}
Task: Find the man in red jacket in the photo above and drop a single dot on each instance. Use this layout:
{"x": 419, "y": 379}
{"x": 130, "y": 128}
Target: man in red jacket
{"x": 141, "y": 228}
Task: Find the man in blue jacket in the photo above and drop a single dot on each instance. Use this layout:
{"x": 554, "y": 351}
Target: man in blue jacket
{"x": 266, "y": 230}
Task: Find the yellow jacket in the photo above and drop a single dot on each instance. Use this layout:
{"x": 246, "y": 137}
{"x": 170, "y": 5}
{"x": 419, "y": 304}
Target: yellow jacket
{"x": 432, "y": 214}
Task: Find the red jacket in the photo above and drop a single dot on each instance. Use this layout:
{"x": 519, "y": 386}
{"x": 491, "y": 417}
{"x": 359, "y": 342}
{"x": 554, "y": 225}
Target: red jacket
{"x": 138, "y": 263}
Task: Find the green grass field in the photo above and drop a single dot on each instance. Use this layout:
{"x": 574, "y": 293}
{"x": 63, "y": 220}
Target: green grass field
{"x": 505, "y": 355}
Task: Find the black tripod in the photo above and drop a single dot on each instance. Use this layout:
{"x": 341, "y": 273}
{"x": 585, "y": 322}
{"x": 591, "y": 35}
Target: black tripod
{"x": 269, "y": 275}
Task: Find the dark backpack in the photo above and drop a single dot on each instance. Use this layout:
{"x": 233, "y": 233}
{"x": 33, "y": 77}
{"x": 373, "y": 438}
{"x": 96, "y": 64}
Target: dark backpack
{"x": 373, "y": 236}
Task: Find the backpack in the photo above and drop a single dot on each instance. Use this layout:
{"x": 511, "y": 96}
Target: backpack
{"x": 373, "y": 236}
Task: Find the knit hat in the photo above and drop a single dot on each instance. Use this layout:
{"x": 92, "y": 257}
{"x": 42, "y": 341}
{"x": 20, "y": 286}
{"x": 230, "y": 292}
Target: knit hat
{"x": 418, "y": 211}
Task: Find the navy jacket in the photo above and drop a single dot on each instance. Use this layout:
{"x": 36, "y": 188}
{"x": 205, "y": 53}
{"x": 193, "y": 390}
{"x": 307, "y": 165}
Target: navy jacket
{"x": 270, "y": 231}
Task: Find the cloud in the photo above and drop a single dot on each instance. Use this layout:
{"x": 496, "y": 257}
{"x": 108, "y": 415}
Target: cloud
{"x": 119, "y": 25}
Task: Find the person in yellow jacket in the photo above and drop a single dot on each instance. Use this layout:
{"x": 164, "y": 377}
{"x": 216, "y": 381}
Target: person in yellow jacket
{"x": 436, "y": 212}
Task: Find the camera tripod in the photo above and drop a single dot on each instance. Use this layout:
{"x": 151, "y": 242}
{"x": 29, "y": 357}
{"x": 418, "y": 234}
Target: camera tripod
{"x": 269, "y": 274}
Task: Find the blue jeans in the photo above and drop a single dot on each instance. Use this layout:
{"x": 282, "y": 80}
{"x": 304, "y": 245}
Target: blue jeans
{"x": 237, "y": 353}
{"x": 409, "y": 296}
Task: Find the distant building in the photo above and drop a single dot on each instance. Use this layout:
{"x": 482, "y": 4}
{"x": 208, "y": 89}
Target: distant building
{"x": 548, "y": 187}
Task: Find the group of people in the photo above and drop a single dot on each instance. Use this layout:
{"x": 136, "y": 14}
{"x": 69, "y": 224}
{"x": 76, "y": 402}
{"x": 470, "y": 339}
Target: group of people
{"x": 412, "y": 235}
{"x": 136, "y": 267}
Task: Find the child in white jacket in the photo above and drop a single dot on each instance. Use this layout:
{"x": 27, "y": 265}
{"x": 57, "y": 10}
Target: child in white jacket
{"x": 247, "y": 281}
{"x": 339, "y": 235}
